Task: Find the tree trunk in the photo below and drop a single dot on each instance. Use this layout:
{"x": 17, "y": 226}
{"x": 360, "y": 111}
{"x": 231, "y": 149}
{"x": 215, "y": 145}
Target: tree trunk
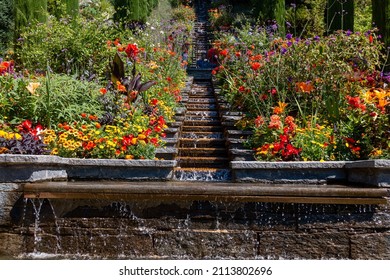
{"x": 381, "y": 18}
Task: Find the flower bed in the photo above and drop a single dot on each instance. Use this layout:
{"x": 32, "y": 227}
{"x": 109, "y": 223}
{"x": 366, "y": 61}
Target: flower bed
{"x": 119, "y": 113}
{"x": 314, "y": 99}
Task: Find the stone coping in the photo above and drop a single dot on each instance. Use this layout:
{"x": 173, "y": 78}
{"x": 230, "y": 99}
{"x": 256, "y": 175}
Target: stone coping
{"x": 377, "y": 163}
{"x": 287, "y": 165}
{"x": 33, "y": 168}
{"x": 27, "y": 168}
{"x": 365, "y": 172}
{"x": 8, "y": 159}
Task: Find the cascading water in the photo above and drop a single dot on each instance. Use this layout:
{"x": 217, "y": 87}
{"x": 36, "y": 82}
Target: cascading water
{"x": 202, "y": 146}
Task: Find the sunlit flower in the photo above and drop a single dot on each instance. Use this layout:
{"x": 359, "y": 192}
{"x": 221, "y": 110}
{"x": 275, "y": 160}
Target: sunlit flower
{"x": 131, "y": 50}
{"x": 32, "y": 87}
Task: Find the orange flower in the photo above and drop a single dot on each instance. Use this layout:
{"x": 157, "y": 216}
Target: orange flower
{"x": 120, "y": 87}
{"x": 275, "y": 122}
{"x": 259, "y": 121}
{"x": 280, "y": 109}
{"x": 103, "y": 91}
{"x": 305, "y": 87}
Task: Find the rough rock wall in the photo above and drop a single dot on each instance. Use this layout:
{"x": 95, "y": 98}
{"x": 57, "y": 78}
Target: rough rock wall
{"x": 194, "y": 230}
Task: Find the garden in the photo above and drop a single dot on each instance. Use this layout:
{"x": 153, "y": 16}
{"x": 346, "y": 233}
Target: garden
{"x": 93, "y": 83}
{"x": 103, "y": 80}
{"x": 316, "y": 97}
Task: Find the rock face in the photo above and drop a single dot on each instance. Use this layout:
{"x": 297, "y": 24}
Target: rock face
{"x": 83, "y": 229}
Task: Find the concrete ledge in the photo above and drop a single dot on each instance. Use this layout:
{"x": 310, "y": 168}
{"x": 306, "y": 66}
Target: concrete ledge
{"x": 365, "y": 172}
{"x": 289, "y": 172}
{"x": 26, "y": 168}
{"x": 370, "y": 172}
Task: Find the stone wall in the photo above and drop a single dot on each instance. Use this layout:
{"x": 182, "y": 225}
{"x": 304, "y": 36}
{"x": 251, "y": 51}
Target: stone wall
{"x": 196, "y": 230}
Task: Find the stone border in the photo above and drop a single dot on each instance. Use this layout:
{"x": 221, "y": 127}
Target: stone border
{"x": 371, "y": 172}
{"x": 367, "y": 172}
{"x": 33, "y": 168}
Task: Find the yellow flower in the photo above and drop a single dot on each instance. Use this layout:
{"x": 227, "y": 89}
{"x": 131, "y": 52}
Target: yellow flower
{"x": 32, "y": 87}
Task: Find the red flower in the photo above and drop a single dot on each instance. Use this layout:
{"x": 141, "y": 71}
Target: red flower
{"x": 103, "y": 91}
{"x": 131, "y": 51}
{"x": 356, "y": 102}
{"x": 224, "y": 52}
{"x": 255, "y": 66}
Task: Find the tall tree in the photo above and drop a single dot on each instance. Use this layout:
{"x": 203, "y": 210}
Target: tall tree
{"x": 381, "y": 18}
{"x": 339, "y": 15}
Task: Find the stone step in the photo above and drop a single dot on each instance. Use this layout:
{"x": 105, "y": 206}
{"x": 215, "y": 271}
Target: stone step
{"x": 202, "y": 134}
{"x": 203, "y": 113}
{"x": 201, "y": 122}
{"x": 215, "y": 128}
{"x": 201, "y": 143}
{"x": 202, "y": 106}
{"x": 210, "y": 162}
{"x": 201, "y": 152}
{"x": 201, "y": 100}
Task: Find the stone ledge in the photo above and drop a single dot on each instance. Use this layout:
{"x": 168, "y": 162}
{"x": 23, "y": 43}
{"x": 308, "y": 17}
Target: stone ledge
{"x": 371, "y": 172}
{"x": 377, "y": 163}
{"x": 286, "y": 165}
{"x": 289, "y": 172}
{"x": 32, "y": 168}
{"x": 376, "y": 172}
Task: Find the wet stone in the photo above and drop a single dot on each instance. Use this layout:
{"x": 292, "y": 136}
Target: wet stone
{"x": 210, "y": 244}
{"x": 294, "y": 245}
{"x": 371, "y": 246}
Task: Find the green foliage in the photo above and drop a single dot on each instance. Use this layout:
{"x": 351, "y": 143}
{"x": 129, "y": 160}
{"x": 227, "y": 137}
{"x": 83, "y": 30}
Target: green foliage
{"x": 363, "y": 15}
{"x": 78, "y": 48}
{"x": 306, "y": 19}
{"x": 269, "y": 10}
{"x": 61, "y": 8}
{"x": 339, "y": 15}
{"x": 6, "y": 23}
{"x": 129, "y": 11}
{"x": 47, "y": 100}
{"x": 174, "y": 3}
{"x": 317, "y": 81}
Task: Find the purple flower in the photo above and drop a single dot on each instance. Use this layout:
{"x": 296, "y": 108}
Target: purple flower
{"x": 348, "y": 33}
{"x": 289, "y": 36}
{"x": 283, "y": 51}
{"x": 316, "y": 38}
{"x": 289, "y": 43}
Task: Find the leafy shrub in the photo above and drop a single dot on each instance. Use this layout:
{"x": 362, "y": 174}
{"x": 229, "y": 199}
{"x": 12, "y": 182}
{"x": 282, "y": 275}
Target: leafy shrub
{"x": 6, "y": 24}
{"x": 47, "y": 100}
{"x": 76, "y": 47}
{"x": 330, "y": 87}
